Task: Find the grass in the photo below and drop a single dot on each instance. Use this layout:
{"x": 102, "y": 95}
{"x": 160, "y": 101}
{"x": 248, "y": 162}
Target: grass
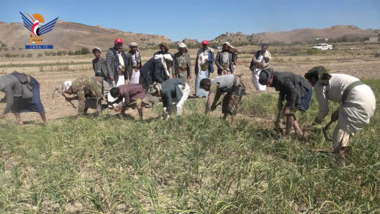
{"x": 194, "y": 164}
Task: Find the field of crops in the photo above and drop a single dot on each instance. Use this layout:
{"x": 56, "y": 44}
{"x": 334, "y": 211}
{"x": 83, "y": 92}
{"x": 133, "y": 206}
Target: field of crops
{"x": 192, "y": 164}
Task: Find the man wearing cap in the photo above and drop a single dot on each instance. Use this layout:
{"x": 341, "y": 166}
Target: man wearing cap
{"x": 357, "y": 104}
{"x": 135, "y": 63}
{"x": 132, "y": 94}
{"x": 295, "y": 89}
{"x": 224, "y": 59}
{"x": 170, "y": 90}
{"x": 99, "y": 64}
{"x": 203, "y": 67}
{"x": 233, "y": 88}
{"x": 259, "y": 61}
{"x": 117, "y": 61}
{"x": 89, "y": 90}
{"x": 182, "y": 63}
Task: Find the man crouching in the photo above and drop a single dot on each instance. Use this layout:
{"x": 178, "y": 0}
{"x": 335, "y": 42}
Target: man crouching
{"x": 229, "y": 84}
{"x": 170, "y": 90}
{"x": 132, "y": 94}
{"x": 89, "y": 91}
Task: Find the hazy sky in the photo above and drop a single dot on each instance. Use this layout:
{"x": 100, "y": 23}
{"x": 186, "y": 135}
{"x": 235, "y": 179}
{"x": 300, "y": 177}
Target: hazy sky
{"x": 197, "y": 19}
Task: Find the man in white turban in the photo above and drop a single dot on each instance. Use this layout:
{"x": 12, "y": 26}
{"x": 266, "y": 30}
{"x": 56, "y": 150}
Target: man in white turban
{"x": 182, "y": 63}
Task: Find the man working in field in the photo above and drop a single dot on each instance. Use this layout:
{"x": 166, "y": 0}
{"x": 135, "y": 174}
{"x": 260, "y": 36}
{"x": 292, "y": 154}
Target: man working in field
{"x": 22, "y": 94}
{"x": 88, "y": 91}
{"x": 170, "y": 90}
{"x": 297, "y": 92}
{"x": 132, "y": 95}
{"x": 357, "y": 104}
{"x": 229, "y": 84}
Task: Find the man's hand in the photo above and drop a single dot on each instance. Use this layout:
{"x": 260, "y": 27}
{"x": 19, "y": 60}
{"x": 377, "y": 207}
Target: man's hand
{"x": 174, "y": 76}
{"x": 117, "y": 108}
{"x": 335, "y": 116}
{"x": 317, "y": 120}
{"x": 111, "y": 78}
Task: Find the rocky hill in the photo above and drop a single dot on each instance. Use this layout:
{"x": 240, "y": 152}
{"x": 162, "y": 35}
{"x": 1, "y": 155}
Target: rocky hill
{"x": 299, "y": 35}
{"x": 72, "y": 36}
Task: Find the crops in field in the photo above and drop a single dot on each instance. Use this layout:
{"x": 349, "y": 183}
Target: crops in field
{"x": 192, "y": 164}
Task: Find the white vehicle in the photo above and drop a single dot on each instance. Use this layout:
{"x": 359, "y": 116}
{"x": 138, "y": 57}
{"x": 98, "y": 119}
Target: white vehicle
{"x": 323, "y": 46}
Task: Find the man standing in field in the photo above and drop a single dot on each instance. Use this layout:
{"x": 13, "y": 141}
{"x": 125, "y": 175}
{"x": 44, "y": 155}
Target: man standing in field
{"x": 117, "y": 61}
{"x": 170, "y": 90}
{"x": 295, "y": 89}
{"x": 89, "y": 91}
{"x": 203, "y": 67}
{"x": 260, "y": 61}
{"x": 99, "y": 64}
{"x": 182, "y": 63}
{"x": 225, "y": 59}
{"x": 234, "y": 88}
{"x": 135, "y": 63}
{"x": 164, "y": 49}
{"x": 357, "y": 104}
{"x": 132, "y": 94}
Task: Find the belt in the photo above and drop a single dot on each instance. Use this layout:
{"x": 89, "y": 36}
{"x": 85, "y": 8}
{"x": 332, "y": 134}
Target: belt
{"x": 182, "y": 69}
{"x": 349, "y": 88}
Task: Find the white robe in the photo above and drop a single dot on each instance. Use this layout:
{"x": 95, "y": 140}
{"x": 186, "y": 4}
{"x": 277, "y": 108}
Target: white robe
{"x": 358, "y": 108}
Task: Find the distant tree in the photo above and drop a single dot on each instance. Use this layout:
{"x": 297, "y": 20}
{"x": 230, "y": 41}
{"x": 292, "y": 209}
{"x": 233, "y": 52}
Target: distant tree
{"x": 54, "y": 53}
{"x": 3, "y": 45}
{"x": 8, "y": 55}
{"x": 29, "y": 55}
{"x": 40, "y": 55}
{"x": 22, "y": 55}
{"x": 20, "y": 49}
{"x": 59, "y": 53}
{"x": 78, "y": 52}
{"x": 71, "y": 53}
{"x": 85, "y": 51}
{"x": 64, "y": 52}
{"x": 14, "y": 55}
{"x": 47, "y": 53}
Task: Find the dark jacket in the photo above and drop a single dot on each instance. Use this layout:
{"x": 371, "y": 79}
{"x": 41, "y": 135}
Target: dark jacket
{"x": 291, "y": 86}
{"x": 219, "y": 61}
{"x": 113, "y": 64}
{"x": 210, "y": 61}
{"x": 153, "y": 71}
{"x": 170, "y": 90}
{"x": 103, "y": 68}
